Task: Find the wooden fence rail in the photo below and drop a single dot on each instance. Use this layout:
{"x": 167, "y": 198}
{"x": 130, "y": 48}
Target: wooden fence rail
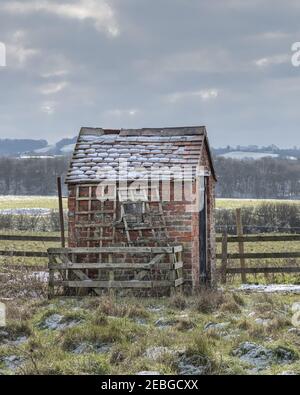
{"x": 263, "y": 255}
{"x": 259, "y": 238}
{"x": 116, "y": 268}
{"x": 45, "y": 239}
{"x": 27, "y": 254}
{"x": 265, "y": 270}
{"x": 24, "y": 254}
{"x": 225, "y": 256}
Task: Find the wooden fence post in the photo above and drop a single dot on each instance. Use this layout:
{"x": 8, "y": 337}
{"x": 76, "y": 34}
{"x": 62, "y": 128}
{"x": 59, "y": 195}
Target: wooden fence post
{"x": 224, "y": 258}
{"x": 61, "y": 213}
{"x": 51, "y": 279}
{"x": 240, "y": 233}
{"x": 111, "y": 290}
{"x": 172, "y": 275}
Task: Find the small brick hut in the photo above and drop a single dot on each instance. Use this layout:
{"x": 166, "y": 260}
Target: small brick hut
{"x": 99, "y": 158}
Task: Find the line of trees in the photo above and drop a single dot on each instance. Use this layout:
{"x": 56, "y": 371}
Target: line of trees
{"x": 265, "y": 178}
{"x": 31, "y": 176}
{"x": 262, "y": 218}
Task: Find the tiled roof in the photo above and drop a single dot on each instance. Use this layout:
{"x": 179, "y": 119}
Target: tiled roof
{"x": 98, "y": 152}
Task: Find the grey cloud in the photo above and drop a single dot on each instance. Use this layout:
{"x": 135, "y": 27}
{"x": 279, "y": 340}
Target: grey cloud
{"x": 135, "y": 63}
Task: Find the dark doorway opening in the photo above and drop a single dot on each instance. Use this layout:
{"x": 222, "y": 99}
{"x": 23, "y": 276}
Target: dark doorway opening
{"x": 203, "y": 230}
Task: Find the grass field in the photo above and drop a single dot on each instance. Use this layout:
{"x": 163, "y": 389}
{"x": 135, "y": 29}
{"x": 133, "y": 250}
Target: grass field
{"x": 181, "y": 335}
{"x": 240, "y": 203}
{"x": 203, "y": 334}
{"x": 50, "y": 202}
{"x": 18, "y": 202}
{"x": 26, "y": 246}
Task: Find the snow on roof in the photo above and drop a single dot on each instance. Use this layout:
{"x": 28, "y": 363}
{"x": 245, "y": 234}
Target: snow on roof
{"x": 98, "y": 152}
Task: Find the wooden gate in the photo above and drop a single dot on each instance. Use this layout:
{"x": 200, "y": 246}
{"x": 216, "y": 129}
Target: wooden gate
{"x": 80, "y": 268}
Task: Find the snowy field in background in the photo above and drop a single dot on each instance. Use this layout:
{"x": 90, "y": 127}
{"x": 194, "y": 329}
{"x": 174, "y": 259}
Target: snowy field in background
{"x": 248, "y": 155}
{"x": 28, "y": 202}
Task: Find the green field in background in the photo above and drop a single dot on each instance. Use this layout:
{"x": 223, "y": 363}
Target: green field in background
{"x": 19, "y": 202}
{"x": 50, "y": 202}
{"x": 240, "y": 203}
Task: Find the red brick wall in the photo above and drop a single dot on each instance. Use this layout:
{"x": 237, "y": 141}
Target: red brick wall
{"x": 180, "y": 228}
{"x": 183, "y": 229}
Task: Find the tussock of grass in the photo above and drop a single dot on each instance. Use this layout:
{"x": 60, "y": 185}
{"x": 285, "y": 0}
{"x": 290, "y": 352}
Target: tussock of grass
{"x": 16, "y": 329}
{"x": 117, "y": 357}
{"x": 178, "y": 301}
{"x": 169, "y": 360}
{"x": 63, "y": 364}
{"x": 281, "y": 350}
{"x": 277, "y": 324}
{"x": 238, "y": 299}
{"x": 264, "y": 307}
{"x": 126, "y": 352}
{"x": 256, "y": 331}
{"x": 230, "y": 307}
{"x": 92, "y": 334}
{"x": 207, "y": 301}
{"x": 121, "y": 330}
{"x": 99, "y": 318}
{"x": 199, "y": 345}
{"x": 109, "y": 306}
{"x": 244, "y": 324}
{"x": 251, "y": 329}
{"x": 201, "y": 351}
{"x": 184, "y": 324}
{"x": 20, "y": 310}
{"x": 136, "y": 311}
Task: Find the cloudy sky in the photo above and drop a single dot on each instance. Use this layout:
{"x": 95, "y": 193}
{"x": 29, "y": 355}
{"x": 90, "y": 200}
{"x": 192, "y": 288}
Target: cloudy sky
{"x": 144, "y": 63}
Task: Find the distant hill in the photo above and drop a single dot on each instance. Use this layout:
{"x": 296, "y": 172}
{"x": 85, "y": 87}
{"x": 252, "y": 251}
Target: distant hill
{"x": 62, "y": 147}
{"x": 248, "y": 155}
{"x": 256, "y": 152}
{"x": 15, "y": 147}
{"x": 65, "y": 146}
